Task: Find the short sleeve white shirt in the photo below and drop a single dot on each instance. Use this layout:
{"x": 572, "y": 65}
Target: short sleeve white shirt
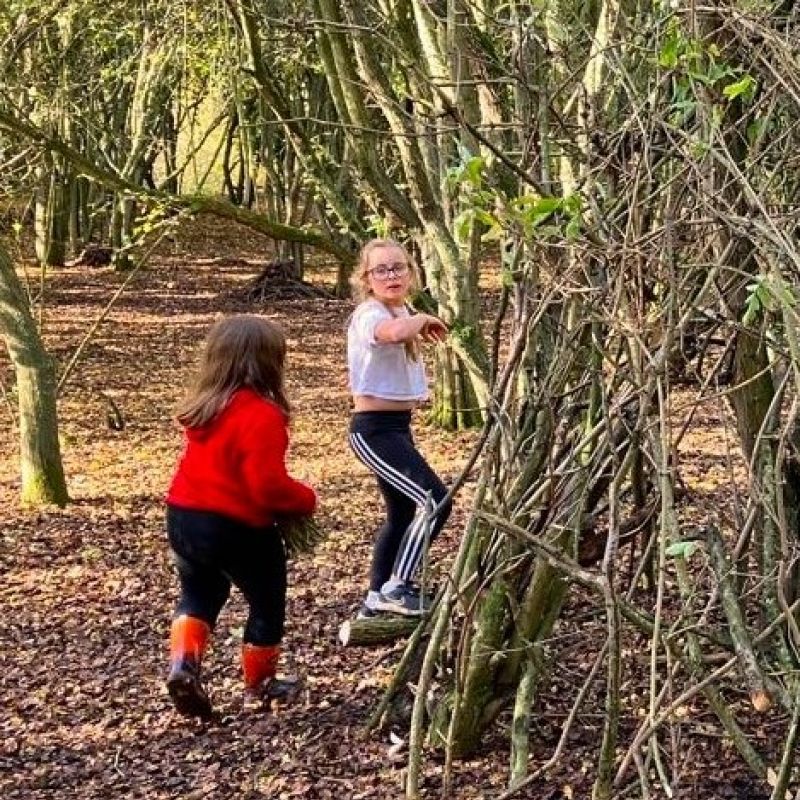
{"x": 381, "y": 369}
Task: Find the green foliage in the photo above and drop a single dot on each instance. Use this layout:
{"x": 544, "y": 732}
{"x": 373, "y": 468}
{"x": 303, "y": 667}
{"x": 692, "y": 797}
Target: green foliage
{"x": 699, "y": 65}
{"x": 758, "y": 128}
{"x": 767, "y": 293}
{"x": 539, "y": 218}
{"x": 684, "y": 549}
{"x": 745, "y": 88}
{"x": 467, "y": 181}
{"x": 154, "y": 219}
{"x": 464, "y": 333}
{"x": 470, "y": 170}
{"x": 465, "y": 221}
{"x": 378, "y": 226}
{"x": 547, "y": 218}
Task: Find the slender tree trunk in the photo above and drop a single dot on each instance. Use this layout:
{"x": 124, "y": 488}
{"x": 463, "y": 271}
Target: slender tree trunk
{"x": 50, "y": 215}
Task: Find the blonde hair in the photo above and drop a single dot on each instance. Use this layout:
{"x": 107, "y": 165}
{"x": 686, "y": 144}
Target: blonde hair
{"x": 359, "y": 282}
{"x": 240, "y": 351}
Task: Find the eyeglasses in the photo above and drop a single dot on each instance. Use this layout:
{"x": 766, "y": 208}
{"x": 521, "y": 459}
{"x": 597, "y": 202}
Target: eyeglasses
{"x": 384, "y": 271}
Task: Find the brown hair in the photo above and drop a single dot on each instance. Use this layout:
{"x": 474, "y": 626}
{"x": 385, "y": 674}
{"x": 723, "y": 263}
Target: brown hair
{"x": 359, "y": 282}
{"x": 240, "y": 351}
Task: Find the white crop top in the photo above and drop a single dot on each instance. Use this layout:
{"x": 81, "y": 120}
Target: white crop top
{"x": 381, "y": 369}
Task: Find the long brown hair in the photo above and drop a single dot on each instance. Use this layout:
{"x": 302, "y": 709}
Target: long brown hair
{"x": 359, "y": 282}
{"x": 240, "y": 351}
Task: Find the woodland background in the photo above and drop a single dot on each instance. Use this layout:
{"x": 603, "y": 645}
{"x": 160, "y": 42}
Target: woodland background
{"x": 602, "y": 201}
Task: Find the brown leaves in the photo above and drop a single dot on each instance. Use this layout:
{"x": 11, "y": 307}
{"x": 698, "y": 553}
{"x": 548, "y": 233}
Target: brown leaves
{"x": 88, "y": 592}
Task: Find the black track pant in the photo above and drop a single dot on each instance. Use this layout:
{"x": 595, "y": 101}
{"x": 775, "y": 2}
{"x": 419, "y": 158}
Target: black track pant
{"x": 382, "y": 440}
{"x": 213, "y": 552}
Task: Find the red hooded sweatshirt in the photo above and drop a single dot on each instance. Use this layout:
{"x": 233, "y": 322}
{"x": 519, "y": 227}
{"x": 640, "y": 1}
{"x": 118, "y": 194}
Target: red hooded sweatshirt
{"x": 235, "y": 465}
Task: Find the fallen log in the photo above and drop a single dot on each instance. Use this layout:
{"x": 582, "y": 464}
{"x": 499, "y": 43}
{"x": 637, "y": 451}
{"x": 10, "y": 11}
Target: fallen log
{"x": 380, "y": 629}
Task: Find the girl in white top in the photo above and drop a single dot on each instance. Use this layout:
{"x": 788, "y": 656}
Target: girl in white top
{"x": 387, "y": 380}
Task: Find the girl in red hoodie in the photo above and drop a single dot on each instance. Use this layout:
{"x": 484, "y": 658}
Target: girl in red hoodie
{"x": 229, "y": 487}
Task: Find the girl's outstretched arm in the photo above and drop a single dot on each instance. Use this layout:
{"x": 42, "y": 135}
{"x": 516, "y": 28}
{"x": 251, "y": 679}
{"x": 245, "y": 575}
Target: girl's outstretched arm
{"x": 404, "y": 329}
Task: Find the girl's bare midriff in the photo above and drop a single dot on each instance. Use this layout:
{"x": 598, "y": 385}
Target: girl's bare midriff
{"x": 366, "y": 402}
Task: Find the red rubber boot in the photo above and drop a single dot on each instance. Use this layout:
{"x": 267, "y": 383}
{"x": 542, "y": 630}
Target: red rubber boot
{"x": 188, "y": 641}
{"x": 259, "y": 665}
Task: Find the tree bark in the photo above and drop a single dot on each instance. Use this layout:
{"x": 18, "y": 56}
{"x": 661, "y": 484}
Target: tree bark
{"x": 41, "y": 469}
{"x": 50, "y": 215}
{"x": 375, "y": 630}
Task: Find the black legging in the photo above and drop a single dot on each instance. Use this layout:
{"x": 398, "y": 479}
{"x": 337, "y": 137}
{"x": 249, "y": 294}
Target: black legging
{"x": 382, "y": 440}
{"x": 213, "y": 551}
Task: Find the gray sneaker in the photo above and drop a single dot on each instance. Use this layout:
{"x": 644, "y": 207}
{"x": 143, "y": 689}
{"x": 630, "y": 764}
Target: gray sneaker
{"x": 416, "y": 589}
{"x": 403, "y": 599}
{"x": 365, "y": 612}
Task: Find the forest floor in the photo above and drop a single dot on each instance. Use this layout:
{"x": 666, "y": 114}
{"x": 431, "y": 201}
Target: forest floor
{"x": 87, "y": 591}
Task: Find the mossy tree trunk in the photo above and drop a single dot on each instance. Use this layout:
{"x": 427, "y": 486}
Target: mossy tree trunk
{"x": 41, "y": 470}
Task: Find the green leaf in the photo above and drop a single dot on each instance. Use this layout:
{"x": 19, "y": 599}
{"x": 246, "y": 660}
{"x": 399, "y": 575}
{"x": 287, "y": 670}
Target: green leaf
{"x": 507, "y": 278}
{"x": 756, "y": 129}
{"x": 485, "y": 217}
{"x": 683, "y": 550}
{"x": 718, "y": 71}
{"x": 764, "y": 295}
{"x": 752, "y": 310}
{"x": 668, "y": 57}
{"x": 495, "y": 233}
{"x": 573, "y": 229}
{"x": 546, "y": 205}
{"x": 745, "y": 87}
{"x": 757, "y": 300}
{"x": 463, "y": 225}
{"x": 473, "y": 170}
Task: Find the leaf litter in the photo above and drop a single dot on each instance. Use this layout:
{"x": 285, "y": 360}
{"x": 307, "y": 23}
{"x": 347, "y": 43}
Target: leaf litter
{"x": 87, "y": 591}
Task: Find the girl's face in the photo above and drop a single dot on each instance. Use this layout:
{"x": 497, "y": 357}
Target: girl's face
{"x": 388, "y": 275}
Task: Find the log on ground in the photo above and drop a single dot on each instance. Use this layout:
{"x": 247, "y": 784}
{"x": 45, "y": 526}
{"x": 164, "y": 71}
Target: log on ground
{"x": 380, "y": 629}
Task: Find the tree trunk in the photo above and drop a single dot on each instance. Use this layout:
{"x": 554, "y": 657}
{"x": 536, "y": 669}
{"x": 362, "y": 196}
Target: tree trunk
{"x": 50, "y": 215}
{"x": 41, "y": 469}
